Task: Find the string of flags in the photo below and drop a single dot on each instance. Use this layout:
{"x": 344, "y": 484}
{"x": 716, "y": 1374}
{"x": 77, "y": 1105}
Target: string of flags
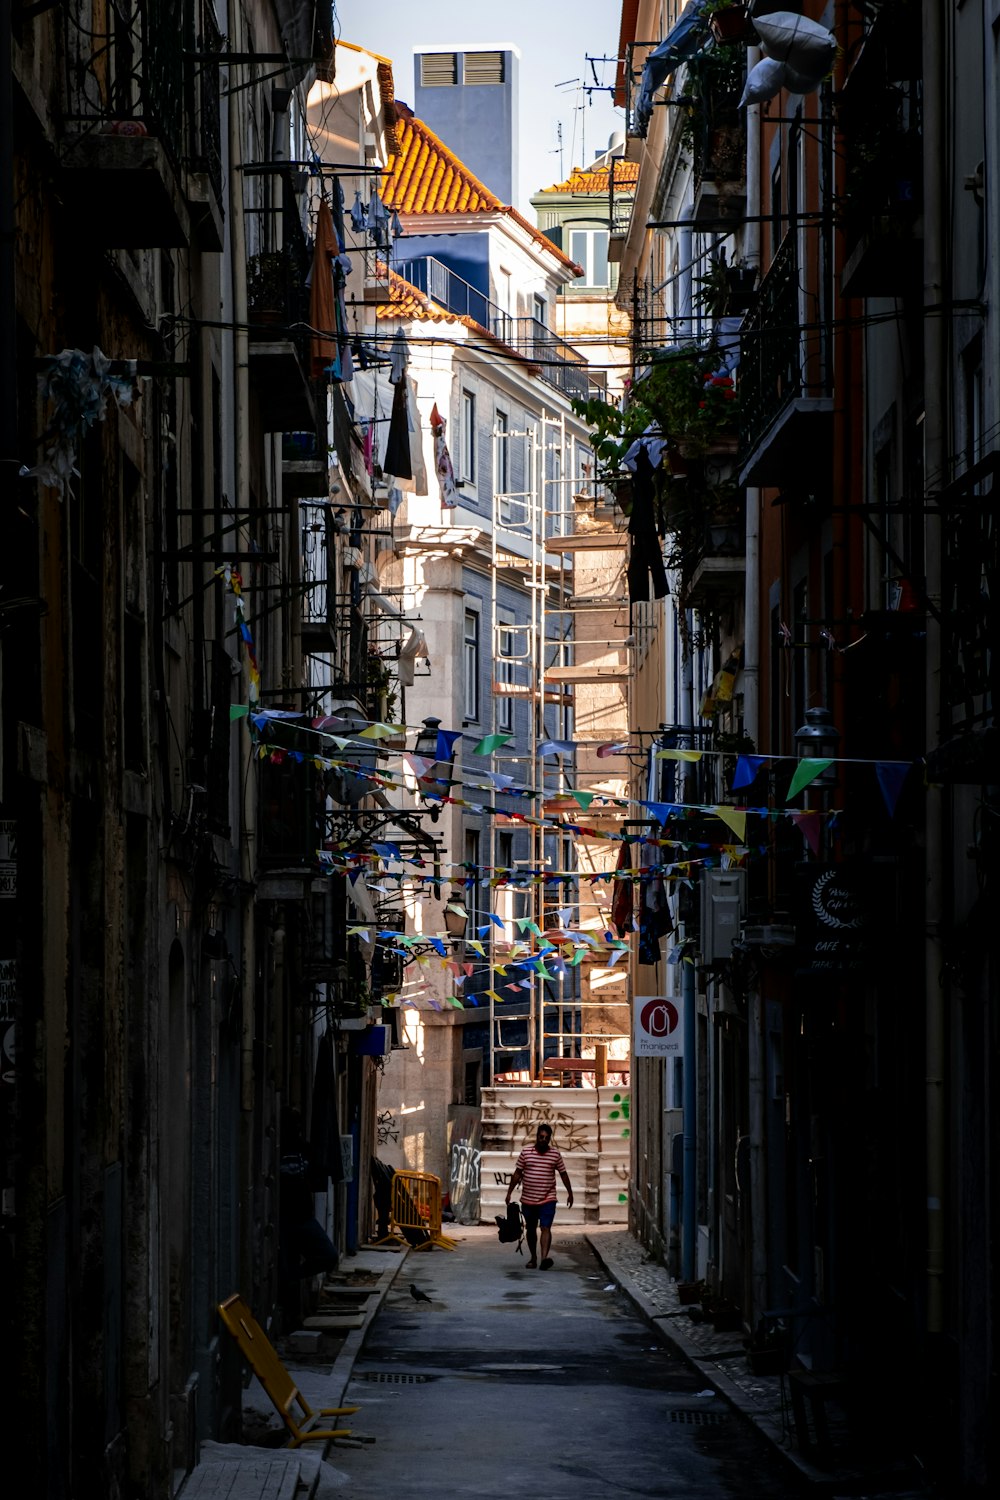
{"x": 891, "y": 775}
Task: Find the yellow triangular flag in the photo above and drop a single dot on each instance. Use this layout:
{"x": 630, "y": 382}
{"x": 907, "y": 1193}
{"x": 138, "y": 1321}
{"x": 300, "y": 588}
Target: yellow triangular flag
{"x": 735, "y": 818}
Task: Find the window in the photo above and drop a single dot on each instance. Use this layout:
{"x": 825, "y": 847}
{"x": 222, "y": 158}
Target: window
{"x": 472, "y": 895}
{"x": 501, "y": 429}
{"x": 506, "y": 651}
{"x": 470, "y": 664}
{"x": 438, "y": 70}
{"x": 589, "y": 248}
{"x": 540, "y": 310}
{"x": 468, "y": 453}
{"x": 483, "y": 68}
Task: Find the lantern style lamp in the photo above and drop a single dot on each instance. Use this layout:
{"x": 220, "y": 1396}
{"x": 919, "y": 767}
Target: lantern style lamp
{"x": 438, "y": 770}
{"x": 818, "y": 739}
{"x": 456, "y": 919}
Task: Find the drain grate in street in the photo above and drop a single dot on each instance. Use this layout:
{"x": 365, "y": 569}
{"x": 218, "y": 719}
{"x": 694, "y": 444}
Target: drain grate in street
{"x": 698, "y": 1418}
{"x": 392, "y": 1377}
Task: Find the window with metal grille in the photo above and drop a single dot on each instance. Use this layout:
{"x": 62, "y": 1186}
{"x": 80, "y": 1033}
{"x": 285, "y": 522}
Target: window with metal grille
{"x": 438, "y": 70}
{"x": 483, "y": 67}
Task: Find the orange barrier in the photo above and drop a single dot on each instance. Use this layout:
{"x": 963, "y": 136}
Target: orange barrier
{"x": 415, "y": 1214}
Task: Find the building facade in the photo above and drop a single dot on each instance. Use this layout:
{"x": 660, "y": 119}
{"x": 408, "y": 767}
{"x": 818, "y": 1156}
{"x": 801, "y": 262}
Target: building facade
{"x": 829, "y": 1129}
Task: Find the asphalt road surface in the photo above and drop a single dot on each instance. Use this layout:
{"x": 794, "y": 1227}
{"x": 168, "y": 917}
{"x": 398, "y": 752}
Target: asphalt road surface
{"x": 515, "y": 1383}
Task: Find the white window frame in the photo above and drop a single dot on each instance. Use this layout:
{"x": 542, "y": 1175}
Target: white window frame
{"x": 471, "y": 662}
{"x": 587, "y": 260}
{"x": 468, "y": 437}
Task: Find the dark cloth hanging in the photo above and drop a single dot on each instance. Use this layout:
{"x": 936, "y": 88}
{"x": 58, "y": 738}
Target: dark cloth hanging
{"x": 397, "y": 449}
{"x": 325, "y": 1160}
{"x": 646, "y": 555}
{"x": 622, "y": 891}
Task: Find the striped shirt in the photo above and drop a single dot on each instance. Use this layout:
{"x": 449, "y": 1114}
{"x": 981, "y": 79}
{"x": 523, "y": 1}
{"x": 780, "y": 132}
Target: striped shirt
{"x": 538, "y": 1169}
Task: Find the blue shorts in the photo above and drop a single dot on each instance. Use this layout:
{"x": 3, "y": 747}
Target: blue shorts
{"x": 539, "y": 1213}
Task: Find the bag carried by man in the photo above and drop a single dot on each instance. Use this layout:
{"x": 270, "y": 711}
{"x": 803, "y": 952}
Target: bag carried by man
{"x": 510, "y": 1226}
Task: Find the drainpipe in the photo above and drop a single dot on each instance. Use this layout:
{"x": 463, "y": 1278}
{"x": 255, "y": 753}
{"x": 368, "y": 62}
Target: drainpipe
{"x": 241, "y": 485}
{"x": 751, "y": 608}
{"x": 937, "y": 384}
{"x": 756, "y": 1030}
{"x": 8, "y": 316}
{"x": 690, "y": 1075}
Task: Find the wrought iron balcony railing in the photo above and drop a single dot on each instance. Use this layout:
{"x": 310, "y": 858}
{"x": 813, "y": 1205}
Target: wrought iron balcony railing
{"x": 561, "y": 365}
{"x": 126, "y": 68}
{"x": 778, "y": 362}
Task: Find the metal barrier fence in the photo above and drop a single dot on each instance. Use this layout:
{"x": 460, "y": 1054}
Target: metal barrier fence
{"x": 416, "y": 1211}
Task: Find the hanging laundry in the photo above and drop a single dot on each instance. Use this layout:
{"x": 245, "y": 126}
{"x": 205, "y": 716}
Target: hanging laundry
{"x": 359, "y": 215}
{"x": 324, "y": 352}
{"x": 378, "y": 220}
{"x": 442, "y": 462}
{"x": 397, "y": 449}
{"x": 399, "y": 357}
{"x": 646, "y": 555}
{"x": 337, "y": 213}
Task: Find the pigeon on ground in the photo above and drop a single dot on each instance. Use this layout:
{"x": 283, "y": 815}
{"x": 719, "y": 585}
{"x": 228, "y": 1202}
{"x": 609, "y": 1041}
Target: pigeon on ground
{"x": 417, "y": 1294}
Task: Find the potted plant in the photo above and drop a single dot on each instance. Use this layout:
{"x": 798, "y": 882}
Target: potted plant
{"x": 727, "y": 19}
{"x": 712, "y": 289}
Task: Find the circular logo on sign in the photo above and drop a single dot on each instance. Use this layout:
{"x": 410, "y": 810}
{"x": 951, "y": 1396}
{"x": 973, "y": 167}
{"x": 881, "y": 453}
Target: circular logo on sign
{"x": 835, "y": 904}
{"x": 659, "y": 1017}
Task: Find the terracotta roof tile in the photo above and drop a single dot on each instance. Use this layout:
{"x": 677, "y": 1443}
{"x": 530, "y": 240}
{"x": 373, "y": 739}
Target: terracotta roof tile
{"x": 426, "y": 177}
{"x": 581, "y": 181}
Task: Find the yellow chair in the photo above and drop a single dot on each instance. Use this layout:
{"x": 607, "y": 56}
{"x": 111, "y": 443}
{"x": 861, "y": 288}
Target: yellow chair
{"x": 260, "y": 1354}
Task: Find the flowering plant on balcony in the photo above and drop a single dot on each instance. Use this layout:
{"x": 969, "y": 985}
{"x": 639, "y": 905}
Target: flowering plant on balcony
{"x": 686, "y": 396}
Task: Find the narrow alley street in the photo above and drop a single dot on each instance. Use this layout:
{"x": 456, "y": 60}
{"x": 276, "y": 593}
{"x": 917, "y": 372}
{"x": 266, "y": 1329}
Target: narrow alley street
{"x": 527, "y": 1382}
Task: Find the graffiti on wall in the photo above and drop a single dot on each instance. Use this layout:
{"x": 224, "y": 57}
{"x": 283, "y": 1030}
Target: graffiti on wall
{"x": 568, "y": 1133}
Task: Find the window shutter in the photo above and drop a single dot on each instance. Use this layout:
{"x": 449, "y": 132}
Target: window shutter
{"x": 438, "y": 70}
{"x": 483, "y": 67}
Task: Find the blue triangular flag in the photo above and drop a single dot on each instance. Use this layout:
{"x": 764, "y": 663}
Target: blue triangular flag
{"x": 747, "y": 767}
{"x": 891, "y": 776}
{"x": 445, "y": 742}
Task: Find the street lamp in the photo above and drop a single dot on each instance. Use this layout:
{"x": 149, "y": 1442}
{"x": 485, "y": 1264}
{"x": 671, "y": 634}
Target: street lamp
{"x": 439, "y": 770}
{"x": 456, "y": 919}
{"x": 818, "y": 739}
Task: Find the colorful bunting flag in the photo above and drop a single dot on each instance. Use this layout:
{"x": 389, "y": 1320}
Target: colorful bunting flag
{"x": 490, "y": 743}
{"x": 805, "y": 772}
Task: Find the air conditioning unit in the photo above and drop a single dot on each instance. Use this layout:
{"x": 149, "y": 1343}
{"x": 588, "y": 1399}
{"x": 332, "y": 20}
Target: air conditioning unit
{"x": 723, "y": 904}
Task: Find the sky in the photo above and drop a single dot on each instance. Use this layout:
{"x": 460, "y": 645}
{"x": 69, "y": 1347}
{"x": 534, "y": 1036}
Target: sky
{"x": 554, "y": 38}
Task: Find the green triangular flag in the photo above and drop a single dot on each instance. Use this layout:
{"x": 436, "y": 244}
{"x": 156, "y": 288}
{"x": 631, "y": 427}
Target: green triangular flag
{"x": 238, "y": 711}
{"x": 806, "y": 771}
{"x": 584, "y": 798}
{"x": 490, "y": 743}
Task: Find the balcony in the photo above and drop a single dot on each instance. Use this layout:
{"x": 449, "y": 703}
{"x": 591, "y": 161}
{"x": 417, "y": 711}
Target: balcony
{"x": 304, "y": 472}
{"x": 560, "y": 364}
{"x": 131, "y": 127}
{"x": 786, "y": 411}
{"x": 720, "y": 150}
{"x": 277, "y": 300}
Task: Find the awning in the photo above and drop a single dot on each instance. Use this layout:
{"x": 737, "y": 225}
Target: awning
{"x": 681, "y": 42}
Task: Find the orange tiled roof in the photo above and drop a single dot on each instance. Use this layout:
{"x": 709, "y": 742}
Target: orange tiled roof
{"x": 581, "y": 181}
{"x": 426, "y": 177}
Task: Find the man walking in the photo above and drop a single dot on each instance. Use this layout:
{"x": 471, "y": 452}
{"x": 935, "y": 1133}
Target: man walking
{"x": 536, "y": 1168}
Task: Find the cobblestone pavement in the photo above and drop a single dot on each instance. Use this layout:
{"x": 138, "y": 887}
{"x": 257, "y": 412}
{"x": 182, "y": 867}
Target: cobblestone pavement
{"x": 721, "y": 1358}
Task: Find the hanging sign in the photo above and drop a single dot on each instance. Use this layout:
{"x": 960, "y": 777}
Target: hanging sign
{"x": 658, "y": 1028}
